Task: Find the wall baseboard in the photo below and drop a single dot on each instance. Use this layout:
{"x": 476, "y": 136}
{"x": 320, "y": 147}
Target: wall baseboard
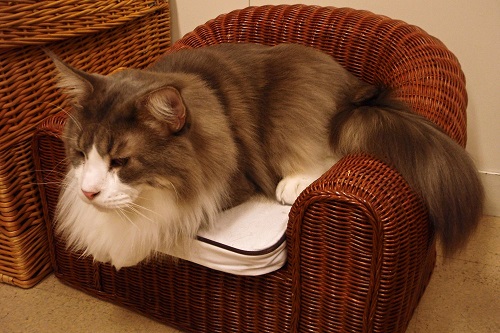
{"x": 491, "y": 183}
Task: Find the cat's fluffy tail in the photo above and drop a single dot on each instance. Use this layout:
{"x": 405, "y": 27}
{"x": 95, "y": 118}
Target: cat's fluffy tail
{"x": 432, "y": 163}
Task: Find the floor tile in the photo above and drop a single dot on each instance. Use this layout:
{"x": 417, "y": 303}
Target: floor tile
{"x": 52, "y": 307}
{"x": 462, "y": 297}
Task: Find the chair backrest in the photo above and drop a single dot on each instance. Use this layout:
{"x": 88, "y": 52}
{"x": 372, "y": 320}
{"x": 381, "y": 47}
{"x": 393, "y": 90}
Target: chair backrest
{"x": 377, "y": 49}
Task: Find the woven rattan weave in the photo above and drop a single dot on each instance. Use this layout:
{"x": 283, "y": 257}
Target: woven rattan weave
{"x": 96, "y": 35}
{"x": 360, "y": 248}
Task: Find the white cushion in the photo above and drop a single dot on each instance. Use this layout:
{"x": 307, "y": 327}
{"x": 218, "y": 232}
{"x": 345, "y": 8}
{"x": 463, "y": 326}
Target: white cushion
{"x": 248, "y": 239}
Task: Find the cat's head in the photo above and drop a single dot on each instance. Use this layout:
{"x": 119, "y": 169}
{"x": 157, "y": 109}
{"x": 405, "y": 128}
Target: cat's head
{"x": 126, "y": 131}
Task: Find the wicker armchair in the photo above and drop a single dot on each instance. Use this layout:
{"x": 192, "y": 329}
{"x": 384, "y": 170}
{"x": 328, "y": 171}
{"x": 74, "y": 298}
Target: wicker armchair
{"x": 360, "y": 248}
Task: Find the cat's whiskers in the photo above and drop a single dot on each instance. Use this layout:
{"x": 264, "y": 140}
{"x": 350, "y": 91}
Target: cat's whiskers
{"x": 47, "y": 183}
{"x": 64, "y": 137}
{"x": 70, "y": 181}
{"x": 134, "y": 207}
{"x": 52, "y": 174}
{"x": 77, "y": 123}
{"x": 61, "y": 109}
{"x": 136, "y": 211}
{"x": 124, "y": 215}
{"x": 173, "y": 187}
{"x": 67, "y": 185}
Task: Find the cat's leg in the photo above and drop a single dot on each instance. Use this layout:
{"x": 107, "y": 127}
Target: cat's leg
{"x": 290, "y": 187}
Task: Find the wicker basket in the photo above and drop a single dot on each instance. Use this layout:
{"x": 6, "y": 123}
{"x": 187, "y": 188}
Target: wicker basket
{"x": 96, "y": 35}
{"x": 360, "y": 248}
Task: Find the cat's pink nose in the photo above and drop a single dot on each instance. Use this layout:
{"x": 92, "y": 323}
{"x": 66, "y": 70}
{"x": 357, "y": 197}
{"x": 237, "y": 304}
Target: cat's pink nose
{"x": 90, "y": 195}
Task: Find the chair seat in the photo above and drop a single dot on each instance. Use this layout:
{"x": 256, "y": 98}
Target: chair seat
{"x": 248, "y": 239}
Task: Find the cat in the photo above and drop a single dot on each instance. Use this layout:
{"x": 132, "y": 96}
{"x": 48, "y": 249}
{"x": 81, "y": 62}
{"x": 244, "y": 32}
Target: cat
{"x": 155, "y": 154}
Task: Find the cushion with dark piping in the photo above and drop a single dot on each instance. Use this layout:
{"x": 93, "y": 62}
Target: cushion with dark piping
{"x": 248, "y": 239}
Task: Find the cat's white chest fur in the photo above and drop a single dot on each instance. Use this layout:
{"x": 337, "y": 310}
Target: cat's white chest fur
{"x": 122, "y": 224}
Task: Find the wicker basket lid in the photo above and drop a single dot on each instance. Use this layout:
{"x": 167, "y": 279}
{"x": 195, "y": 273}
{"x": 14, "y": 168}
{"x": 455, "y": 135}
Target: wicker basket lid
{"x": 30, "y": 22}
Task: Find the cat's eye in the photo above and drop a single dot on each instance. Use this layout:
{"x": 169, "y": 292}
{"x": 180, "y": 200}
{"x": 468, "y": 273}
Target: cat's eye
{"x": 118, "y": 162}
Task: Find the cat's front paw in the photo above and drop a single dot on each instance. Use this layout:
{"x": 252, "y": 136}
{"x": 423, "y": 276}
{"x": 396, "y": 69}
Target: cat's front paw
{"x": 290, "y": 187}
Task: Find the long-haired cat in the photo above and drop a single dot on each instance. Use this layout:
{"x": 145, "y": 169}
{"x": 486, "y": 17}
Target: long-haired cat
{"x": 155, "y": 154}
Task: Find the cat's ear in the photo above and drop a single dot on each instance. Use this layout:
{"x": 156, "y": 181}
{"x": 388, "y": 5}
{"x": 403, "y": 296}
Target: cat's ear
{"x": 76, "y": 83}
{"x": 167, "y": 107}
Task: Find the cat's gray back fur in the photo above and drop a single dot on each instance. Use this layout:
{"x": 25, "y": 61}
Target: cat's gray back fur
{"x": 277, "y": 101}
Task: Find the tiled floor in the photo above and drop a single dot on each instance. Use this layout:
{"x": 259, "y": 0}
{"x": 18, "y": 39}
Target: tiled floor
{"x": 463, "y": 296}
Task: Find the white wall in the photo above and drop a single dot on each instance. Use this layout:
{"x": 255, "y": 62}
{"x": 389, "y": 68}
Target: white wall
{"x": 470, "y": 29}
{"x": 188, "y": 14}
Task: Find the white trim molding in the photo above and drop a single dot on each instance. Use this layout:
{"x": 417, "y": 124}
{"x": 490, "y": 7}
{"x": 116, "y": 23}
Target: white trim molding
{"x": 491, "y": 182}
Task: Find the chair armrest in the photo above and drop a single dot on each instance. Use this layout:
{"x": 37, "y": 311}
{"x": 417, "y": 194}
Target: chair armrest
{"x": 52, "y": 167}
{"x": 359, "y": 238}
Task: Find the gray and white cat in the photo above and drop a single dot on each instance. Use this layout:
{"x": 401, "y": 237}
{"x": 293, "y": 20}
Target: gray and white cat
{"x": 155, "y": 154}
